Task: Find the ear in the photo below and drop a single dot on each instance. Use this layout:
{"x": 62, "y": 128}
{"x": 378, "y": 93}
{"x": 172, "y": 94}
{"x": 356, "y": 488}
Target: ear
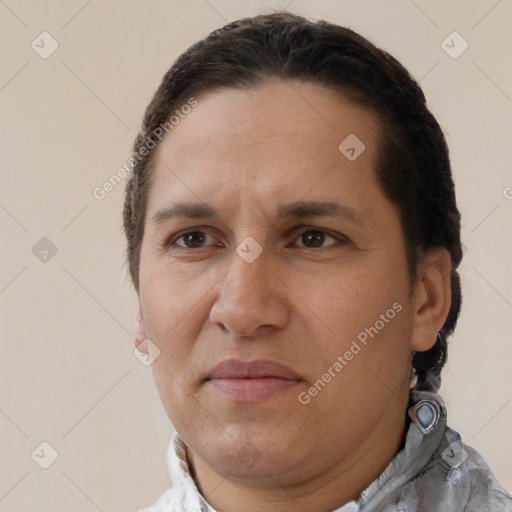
{"x": 141, "y": 343}
{"x": 432, "y": 294}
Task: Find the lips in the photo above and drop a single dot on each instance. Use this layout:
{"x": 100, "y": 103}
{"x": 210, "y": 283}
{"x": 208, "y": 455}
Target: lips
{"x": 251, "y": 381}
{"x": 236, "y": 369}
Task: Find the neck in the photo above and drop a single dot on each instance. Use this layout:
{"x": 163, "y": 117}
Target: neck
{"x": 325, "y": 492}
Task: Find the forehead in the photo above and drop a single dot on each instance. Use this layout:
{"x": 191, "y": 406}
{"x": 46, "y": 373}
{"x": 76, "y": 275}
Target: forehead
{"x": 277, "y": 110}
{"x": 279, "y": 141}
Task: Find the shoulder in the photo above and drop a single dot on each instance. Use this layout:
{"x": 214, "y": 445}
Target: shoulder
{"x": 485, "y": 493}
{"x": 468, "y": 478}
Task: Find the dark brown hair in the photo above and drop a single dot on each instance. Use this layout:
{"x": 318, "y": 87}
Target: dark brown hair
{"x": 414, "y": 169}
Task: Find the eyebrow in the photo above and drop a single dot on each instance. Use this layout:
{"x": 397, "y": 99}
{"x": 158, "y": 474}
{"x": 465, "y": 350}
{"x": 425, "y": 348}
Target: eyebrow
{"x": 297, "y": 209}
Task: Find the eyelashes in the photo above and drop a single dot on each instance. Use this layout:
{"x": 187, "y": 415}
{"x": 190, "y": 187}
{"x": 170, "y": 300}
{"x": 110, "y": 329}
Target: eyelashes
{"x": 309, "y": 238}
{"x": 315, "y": 236}
{"x": 193, "y": 237}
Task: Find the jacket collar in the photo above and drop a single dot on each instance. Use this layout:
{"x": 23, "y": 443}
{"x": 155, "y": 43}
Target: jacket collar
{"x": 427, "y": 425}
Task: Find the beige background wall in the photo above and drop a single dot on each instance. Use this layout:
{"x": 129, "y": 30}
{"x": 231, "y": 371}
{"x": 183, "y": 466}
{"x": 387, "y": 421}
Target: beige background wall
{"x": 67, "y": 372}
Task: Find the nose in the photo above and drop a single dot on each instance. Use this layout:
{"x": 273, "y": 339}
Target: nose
{"x": 251, "y": 298}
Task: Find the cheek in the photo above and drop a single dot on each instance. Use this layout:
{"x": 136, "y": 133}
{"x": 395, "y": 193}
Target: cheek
{"x": 361, "y": 326}
{"x": 366, "y": 373}
{"x": 345, "y": 303}
{"x": 175, "y": 310}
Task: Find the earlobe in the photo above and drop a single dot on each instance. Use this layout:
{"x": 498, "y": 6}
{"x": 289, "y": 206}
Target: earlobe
{"x": 140, "y": 333}
{"x": 432, "y": 298}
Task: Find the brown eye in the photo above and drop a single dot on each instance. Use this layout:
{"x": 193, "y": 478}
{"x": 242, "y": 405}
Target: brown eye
{"x": 314, "y": 238}
{"x": 194, "y": 239}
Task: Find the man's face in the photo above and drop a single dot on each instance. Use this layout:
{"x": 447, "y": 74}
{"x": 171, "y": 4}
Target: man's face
{"x": 329, "y": 286}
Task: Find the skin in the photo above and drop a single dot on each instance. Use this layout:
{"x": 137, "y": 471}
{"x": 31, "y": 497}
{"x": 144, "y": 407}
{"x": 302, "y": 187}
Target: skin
{"x": 300, "y": 303}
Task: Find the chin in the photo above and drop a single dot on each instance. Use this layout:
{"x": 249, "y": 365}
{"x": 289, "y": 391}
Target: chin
{"x": 254, "y": 459}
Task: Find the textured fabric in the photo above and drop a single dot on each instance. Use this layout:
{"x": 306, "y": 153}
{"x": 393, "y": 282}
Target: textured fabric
{"x": 435, "y": 471}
